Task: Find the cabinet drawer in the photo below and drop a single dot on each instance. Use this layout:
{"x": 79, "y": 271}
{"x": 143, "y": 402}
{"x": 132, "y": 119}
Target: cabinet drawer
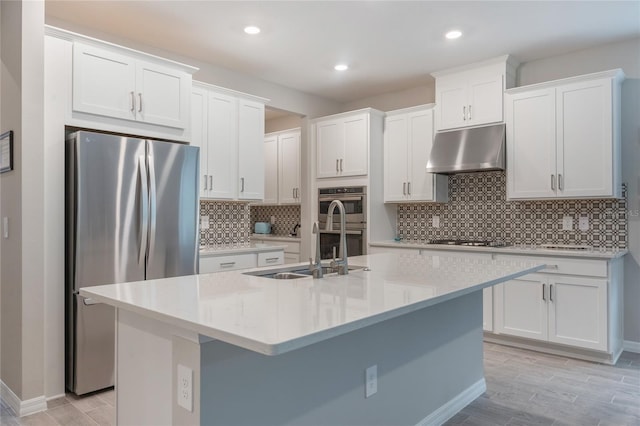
{"x": 292, "y": 248}
{"x": 566, "y": 266}
{"x": 270, "y": 258}
{"x": 227, "y": 263}
{"x": 291, "y": 258}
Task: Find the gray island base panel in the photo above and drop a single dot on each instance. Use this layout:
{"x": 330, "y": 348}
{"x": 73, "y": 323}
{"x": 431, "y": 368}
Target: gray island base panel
{"x": 417, "y": 318}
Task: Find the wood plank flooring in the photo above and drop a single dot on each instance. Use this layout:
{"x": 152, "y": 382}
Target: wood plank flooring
{"x": 523, "y": 388}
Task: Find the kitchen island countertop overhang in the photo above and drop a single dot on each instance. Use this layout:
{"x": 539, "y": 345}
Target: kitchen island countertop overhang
{"x": 276, "y": 316}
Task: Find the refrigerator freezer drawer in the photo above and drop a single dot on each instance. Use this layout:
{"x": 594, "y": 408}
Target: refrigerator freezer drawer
{"x": 94, "y": 346}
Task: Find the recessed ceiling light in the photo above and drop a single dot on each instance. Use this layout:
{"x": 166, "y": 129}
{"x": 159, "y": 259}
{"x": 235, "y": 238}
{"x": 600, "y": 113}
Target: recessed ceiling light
{"x": 341, "y": 67}
{"x": 251, "y": 30}
{"x": 452, "y": 35}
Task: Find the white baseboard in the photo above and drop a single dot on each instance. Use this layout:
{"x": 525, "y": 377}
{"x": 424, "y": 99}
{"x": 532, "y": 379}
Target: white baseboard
{"x": 22, "y": 408}
{"x": 451, "y": 408}
{"x": 631, "y": 346}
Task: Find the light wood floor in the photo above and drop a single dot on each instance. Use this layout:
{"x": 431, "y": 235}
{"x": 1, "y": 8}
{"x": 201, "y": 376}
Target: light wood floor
{"x": 523, "y": 388}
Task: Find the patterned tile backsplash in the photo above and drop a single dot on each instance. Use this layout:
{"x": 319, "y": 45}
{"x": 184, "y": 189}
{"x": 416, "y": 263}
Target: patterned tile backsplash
{"x": 229, "y": 223}
{"x": 286, "y": 217}
{"x": 478, "y": 210}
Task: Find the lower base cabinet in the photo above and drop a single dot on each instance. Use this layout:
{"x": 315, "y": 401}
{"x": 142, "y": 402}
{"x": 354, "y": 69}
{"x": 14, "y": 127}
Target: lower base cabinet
{"x": 232, "y": 262}
{"x": 291, "y": 249}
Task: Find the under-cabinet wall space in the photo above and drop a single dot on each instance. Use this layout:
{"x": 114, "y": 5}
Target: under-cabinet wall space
{"x": 286, "y": 217}
{"x": 229, "y": 223}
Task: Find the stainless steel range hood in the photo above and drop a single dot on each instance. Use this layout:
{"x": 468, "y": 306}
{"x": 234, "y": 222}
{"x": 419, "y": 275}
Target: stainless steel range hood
{"x": 468, "y": 150}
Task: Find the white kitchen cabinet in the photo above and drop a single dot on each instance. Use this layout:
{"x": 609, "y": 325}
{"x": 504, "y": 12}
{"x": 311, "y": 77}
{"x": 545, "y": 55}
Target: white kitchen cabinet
{"x": 282, "y": 167}
{"x": 108, "y": 82}
{"x": 408, "y": 136}
{"x": 234, "y": 139}
{"x": 214, "y": 262}
{"x": 571, "y": 303}
{"x": 342, "y": 144}
{"x": 473, "y": 95}
{"x": 563, "y": 138}
{"x": 270, "y": 169}
{"x": 291, "y": 245}
{"x": 199, "y": 108}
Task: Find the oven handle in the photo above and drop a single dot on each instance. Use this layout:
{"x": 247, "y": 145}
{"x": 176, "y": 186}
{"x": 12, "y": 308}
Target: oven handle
{"x": 337, "y": 231}
{"x": 355, "y": 198}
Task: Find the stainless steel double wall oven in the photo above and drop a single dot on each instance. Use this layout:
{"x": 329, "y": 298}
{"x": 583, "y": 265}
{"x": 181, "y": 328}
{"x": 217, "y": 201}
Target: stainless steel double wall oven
{"x": 354, "y": 199}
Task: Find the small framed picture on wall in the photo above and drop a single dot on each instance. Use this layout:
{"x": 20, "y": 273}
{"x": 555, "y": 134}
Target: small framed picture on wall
{"x": 6, "y": 151}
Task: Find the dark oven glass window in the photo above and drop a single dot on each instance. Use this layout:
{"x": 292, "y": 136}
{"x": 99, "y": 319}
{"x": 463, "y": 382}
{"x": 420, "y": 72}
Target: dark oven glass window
{"x": 350, "y": 207}
{"x": 328, "y": 241}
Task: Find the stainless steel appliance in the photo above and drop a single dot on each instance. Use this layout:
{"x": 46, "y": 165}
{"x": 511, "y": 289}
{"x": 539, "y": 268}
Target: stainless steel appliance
{"x": 468, "y": 150}
{"x": 354, "y": 199}
{"x": 131, "y": 215}
{"x": 471, "y": 243}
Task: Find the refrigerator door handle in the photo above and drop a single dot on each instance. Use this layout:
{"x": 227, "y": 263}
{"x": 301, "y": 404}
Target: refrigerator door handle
{"x": 144, "y": 208}
{"x": 152, "y": 206}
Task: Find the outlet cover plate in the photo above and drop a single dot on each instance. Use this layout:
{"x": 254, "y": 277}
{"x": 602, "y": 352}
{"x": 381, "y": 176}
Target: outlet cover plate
{"x": 567, "y": 223}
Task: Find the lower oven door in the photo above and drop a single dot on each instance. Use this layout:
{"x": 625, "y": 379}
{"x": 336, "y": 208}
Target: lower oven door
{"x": 330, "y": 239}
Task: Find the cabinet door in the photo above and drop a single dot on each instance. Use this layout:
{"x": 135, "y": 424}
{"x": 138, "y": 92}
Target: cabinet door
{"x": 251, "y": 150}
{"x": 103, "y": 82}
{"x": 162, "y": 95}
{"x": 584, "y": 139}
{"x": 199, "y": 135}
{"x": 271, "y": 169}
{"x": 395, "y": 158}
{"x": 530, "y": 123}
{"x": 289, "y": 167}
{"x": 578, "y": 312}
{"x": 451, "y": 98}
{"x": 223, "y": 146}
{"x": 485, "y": 97}
{"x": 355, "y": 161}
{"x": 521, "y": 307}
{"x": 329, "y": 147}
{"x": 420, "y": 183}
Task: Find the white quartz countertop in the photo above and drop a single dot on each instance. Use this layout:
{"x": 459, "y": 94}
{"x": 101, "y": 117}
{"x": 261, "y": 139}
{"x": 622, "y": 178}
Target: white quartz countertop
{"x": 239, "y": 249}
{"x": 271, "y": 237}
{"x": 275, "y": 316}
{"x": 592, "y": 253}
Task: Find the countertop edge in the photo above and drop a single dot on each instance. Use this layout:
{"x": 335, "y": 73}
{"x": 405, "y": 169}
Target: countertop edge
{"x": 505, "y": 250}
{"x": 263, "y": 247}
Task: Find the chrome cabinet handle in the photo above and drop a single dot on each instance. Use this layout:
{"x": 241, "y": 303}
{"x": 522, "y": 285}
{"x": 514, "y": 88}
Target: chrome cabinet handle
{"x": 272, "y": 259}
{"x": 227, "y": 264}
{"x": 404, "y": 188}
{"x": 205, "y": 182}
{"x": 140, "y": 105}
{"x": 409, "y": 188}
{"x": 560, "y": 182}
{"x": 210, "y": 182}
{"x": 242, "y": 184}
{"x": 551, "y": 292}
{"x": 337, "y": 162}
{"x": 469, "y": 112}
{"x": 133, "y": 102}
{"x": 464, "y": 113}
{"x": 341, "y": 164}
{"x": 553, "y": 182}
{"x": 544, "y": 287}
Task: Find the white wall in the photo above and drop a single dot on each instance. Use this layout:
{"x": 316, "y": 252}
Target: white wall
{"x": 286, "y": 122}
{"x": 396, "y": 100}
{"x": 22, "y": 192}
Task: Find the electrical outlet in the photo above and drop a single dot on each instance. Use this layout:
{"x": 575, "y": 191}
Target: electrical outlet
{"x": 583, "y": 223}
{"x": 435, "y": 221}
{"x": 204, "y": 221}
{"x": 185, "y": 387}
{"x": 273, "y": 220}
{"x": 371, "y": 381}
{"x": 567, "y": 223}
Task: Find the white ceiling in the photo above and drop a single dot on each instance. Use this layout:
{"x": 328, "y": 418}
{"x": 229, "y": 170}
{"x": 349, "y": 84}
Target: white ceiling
{"x": 389, "y": 45}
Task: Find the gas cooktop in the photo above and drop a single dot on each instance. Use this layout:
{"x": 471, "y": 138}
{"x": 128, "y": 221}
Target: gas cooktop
{"x": 472, "y": 243}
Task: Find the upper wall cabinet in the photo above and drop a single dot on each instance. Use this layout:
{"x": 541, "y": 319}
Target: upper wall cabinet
{"x": 110, "y": 83}
{"x": 120, "y": 90}
{"x": 228, "y": 127}
{"x": 282, "y": 167}
{"x": 342, "y": 144}
{"x": 473, "y": 95}
{"x": 408, "y": 136}
{"x": 563, "y": 138}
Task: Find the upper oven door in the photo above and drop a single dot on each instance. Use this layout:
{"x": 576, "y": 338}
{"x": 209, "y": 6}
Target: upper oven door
{"x": 354, "y": 207}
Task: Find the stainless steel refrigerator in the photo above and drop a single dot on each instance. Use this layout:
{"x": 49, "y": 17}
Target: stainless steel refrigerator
{"x": 131, "y": 215}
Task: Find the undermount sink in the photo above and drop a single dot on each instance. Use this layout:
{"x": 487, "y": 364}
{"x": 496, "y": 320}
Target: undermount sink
{"x": 295, "y": 272}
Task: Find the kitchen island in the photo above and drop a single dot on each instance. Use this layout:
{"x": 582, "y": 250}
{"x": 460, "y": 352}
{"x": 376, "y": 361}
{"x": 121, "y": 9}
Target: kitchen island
{"x": 266, "y": 351}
